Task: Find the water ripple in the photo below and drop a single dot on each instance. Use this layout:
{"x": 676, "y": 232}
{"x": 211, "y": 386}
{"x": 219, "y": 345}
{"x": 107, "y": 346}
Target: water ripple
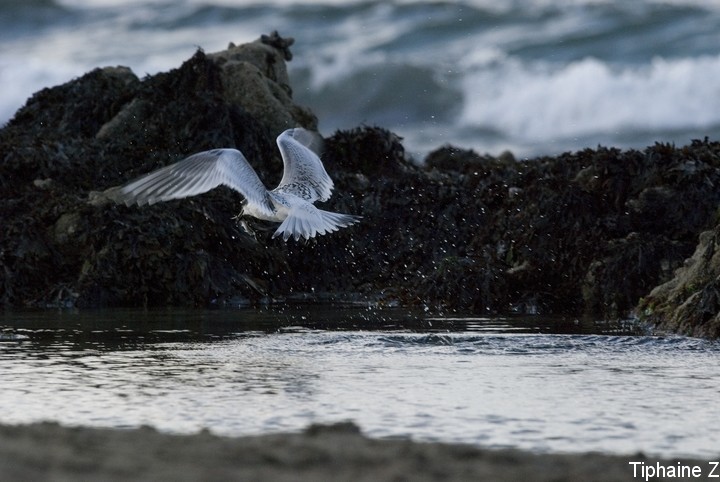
{"x": 526, "y": 388}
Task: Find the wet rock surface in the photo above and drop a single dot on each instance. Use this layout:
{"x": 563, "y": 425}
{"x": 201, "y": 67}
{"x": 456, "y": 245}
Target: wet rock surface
{"x": 690, "y": 302}
{"x": 591, "y": 231}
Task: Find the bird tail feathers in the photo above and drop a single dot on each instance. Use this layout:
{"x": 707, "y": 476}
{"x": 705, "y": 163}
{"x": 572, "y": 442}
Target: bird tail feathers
{"x": 308, "y": 221}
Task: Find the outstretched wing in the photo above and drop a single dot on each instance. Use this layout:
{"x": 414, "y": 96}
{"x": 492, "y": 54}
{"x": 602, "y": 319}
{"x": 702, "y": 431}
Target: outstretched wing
{"x": 304, "y": 174}
{"x": 198, "y": 174}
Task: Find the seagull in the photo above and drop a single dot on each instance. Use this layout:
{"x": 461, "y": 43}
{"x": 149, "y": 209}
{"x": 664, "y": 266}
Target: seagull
{"x": 304, "y": 181}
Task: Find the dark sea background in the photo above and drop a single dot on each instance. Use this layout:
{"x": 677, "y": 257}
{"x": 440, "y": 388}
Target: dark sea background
{"x": 530, "y": 76}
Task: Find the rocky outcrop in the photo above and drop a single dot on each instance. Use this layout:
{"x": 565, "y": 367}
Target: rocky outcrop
{"x": 591, "y": 231}
{"x": 104, "y": 128}
{"x": 690, "y": 302}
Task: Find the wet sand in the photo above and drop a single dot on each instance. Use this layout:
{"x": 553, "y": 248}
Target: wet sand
{"x": 47, "y": 451}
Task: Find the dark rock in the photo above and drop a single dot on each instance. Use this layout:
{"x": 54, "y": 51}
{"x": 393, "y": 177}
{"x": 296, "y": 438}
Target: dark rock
{"x": 371, "y": 151}
{"x": 102, "y": 129}
{"x": 279, "y": 43}
{"x": 450, "y": 158}
{"x": 590, "y": 231}
{"x": 69, "y": 110}
{"x": 690, "y": 302}
{"x": 254, "y": 76}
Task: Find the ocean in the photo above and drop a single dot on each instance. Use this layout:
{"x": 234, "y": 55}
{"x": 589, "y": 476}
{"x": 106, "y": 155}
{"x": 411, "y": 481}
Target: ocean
{"x": 535, "y": 77}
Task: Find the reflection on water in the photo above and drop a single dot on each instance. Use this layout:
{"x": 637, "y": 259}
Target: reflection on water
{"x": 541, "y": 384}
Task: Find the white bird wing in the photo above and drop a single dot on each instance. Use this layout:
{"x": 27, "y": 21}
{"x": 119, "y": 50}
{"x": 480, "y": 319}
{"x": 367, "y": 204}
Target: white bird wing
{"x": 304, "y": 174}
{"x": 198, "y": 174}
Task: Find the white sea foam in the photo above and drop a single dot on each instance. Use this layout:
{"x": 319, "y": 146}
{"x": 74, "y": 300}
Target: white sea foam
{"x": 21, "y": 77}
{"x": 533, "y": 76}
{"x": 535, "y": 102}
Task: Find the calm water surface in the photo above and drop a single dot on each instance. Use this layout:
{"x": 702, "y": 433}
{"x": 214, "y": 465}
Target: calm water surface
{"x": 546, "y": 385}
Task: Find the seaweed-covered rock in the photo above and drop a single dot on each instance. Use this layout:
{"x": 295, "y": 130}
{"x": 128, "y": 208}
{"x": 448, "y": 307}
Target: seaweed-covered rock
{"x": 103, "y": 129}
{"x": 690, "y": 302}
{"x": 254, "y": 75}
{"x": 371, "y": 151}
{"x": 590, "y": 231}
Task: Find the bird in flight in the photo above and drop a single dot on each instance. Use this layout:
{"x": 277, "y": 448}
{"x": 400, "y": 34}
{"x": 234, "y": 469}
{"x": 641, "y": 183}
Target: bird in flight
{"x": 304, "y": 181}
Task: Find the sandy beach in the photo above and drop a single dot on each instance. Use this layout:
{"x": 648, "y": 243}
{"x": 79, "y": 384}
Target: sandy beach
{"x": 47, "y": 451}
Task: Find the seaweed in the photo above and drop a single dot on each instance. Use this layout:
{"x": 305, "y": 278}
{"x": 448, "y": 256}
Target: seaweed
{"x": 592, "y": 231}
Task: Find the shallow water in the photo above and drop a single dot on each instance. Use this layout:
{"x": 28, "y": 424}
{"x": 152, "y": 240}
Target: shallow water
{"x": 532, "y": 383}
